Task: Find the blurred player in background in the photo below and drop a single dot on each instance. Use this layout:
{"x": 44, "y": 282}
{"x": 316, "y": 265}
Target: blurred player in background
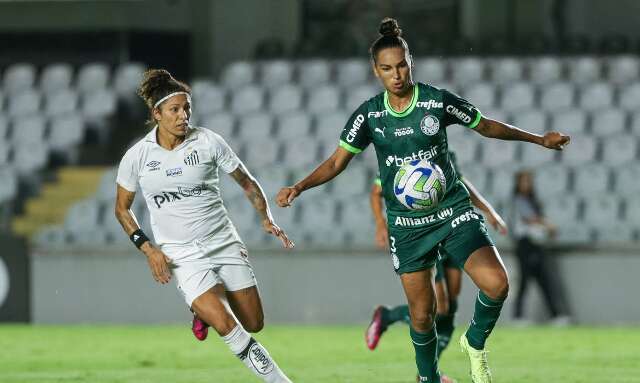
{"x": 176, "y": 166}
{"x": 420, "y": 114}
{"x": 448, "y": 274}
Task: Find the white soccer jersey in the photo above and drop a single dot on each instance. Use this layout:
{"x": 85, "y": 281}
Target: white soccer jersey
{"x": 180, "y": 186}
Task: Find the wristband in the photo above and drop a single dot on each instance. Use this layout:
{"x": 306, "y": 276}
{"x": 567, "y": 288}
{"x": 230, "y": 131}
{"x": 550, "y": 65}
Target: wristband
{"x": 138, "y": 238}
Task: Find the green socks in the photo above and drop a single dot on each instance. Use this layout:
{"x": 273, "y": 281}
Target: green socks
{"x": 426, "y": 347}
{"x": 445, "y": 326}
{"x": 398, "y": 313}
{"x": 484, "y": 319}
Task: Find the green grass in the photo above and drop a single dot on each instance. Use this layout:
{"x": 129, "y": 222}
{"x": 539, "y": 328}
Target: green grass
{"x": 336, "y": 354}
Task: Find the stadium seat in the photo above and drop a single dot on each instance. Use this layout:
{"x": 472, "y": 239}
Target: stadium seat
{"x": 107, "y": 187}
{"x": 357, "y": 223}
{"x": 30, "y": 159}
{"x": 28, "y": 130}
{"x": 246, "y": 100}
{"x": 601, "y": 209}
{"x": 619, "y": 150}
{"x": 430, "y": 70}
{"x": 608, "y": 122}
{"x": 544, "y": 70}
{"x": 613, "y": 232}
{"x": 533, "y": 121}
{"x": 9, "y": 184}
{"x": 355, "y": 180}
{"x": 626, "y": 180}
{"x": 622, "y": 69}
{"x": 285, "y": 99}
{"x": 561, "y": 210}
{"x": 557, "y": 96}
{"x": 92, "y": 77}
{"x": 51, "y": 236}
{"x": 81, "y": 215}
{"x": 99, "y": 104}
{"x": 502, "y": 181}
{"x": 494, "y": 114}
{"x": 468, "y": 70}
{"x": 238, "y": 74}
{"x": 271, "y": 179}
{"x": 62, "y": 101}
{"x": 312, "y": 73}
{"x": 477, "y": 174}
{"x": 56, "y": 77}
{"x": 323, "y": 99}
{"x": 301, "y": 151}
{"x": 466, "y": 145}
{"x": 65, "y": 132}
{"x": 505, "y": 70}
{"x": 222, "y": 123}
{"x": 584, "y": 70}
{"x": 321, "y": 212}
{"x": 482, "y": 95}
{"x": 127, "y": 78}
{"x": 571, "y": 121}
{"x": 634, "y": 125}
{"x": 351, "y": 72}
{"x": 357, "y": 95}
{"x": 276, "y": 73}
{"x": 583, "y": 150}
{"x": 592, "y": 180}
{"x": 208, "y": 99}
{"x": 517, "y": 96}
{"x": 260, "y": 153}
{"x": 551, "y": 181}
{"x": 24, "y": 103}
{"x": 5, "y": 153}
{"x": 572, "y": 235}
{"x": 632, "y": 210}
{"x": 630, "y": 97}
{"x": 535, "y": 155}
{"x": 495, "y": 153}
{"x": 19, "y": 77}
{"x": 256, "y": 127}
{"x": 330, "y": 125}
{"x": 4, "y": 127}
{"x": 597, "y": 95}
{"x": 295, "y": 124}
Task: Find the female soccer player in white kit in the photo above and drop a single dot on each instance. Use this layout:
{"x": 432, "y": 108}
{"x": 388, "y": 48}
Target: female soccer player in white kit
{"x": 176, "y": 166}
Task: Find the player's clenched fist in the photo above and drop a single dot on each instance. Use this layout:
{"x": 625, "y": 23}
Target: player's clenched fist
{"x": 555, "y": 140}
{"x": 286, "y": 195}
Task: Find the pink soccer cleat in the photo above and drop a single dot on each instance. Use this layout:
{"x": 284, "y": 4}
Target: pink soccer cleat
{"x": 199, "y": 328}
{"x": 376, "y": 328}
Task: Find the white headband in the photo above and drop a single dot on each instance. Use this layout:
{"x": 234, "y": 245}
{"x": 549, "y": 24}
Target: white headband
{"x": 163, "y": 99}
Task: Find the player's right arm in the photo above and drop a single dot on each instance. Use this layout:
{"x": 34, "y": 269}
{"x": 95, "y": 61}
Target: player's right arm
{"x": 375, "y": 200}
{"x": 489, "y": 211}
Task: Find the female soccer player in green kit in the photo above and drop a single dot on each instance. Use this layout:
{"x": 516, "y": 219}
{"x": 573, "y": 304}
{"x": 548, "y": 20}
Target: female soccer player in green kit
{"x": 419, "y": 114}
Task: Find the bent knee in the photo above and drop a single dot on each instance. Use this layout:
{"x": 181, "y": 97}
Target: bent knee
{"x": 255, "y": 325}
{"x": 499, "y": 289}
{"x": 422, "y": 321}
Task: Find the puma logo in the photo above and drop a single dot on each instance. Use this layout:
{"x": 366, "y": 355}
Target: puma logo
{"x": 381, "y": 131}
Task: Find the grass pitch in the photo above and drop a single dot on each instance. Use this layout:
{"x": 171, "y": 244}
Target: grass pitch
{"x": 332, "y": 354}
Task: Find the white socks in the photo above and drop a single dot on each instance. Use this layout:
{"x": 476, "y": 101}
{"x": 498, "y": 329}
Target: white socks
{"x": 254, "y": 356}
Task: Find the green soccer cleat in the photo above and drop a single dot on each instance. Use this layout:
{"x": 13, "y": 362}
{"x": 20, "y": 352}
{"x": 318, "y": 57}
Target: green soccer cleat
{"x": 478, "y": 359}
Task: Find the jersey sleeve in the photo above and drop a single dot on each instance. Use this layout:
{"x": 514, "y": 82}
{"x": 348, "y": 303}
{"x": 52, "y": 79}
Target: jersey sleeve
{"x": 460, "y": 111}
{"x": 355, "y": 136}
{"x": 223, "y": 155}
{"x": 378, "y": 180}
{"x": 128, "y": 171}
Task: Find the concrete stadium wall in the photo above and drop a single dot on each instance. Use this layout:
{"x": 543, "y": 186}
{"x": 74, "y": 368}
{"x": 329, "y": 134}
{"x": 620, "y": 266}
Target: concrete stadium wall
{"x": 304, "y": 288}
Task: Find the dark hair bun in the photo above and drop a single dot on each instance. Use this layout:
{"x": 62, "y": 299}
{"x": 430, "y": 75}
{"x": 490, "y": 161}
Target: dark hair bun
{"x": 389, "y": 27}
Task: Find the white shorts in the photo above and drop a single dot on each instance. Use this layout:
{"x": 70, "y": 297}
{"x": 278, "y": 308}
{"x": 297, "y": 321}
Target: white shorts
{"x": 199, "y": 266}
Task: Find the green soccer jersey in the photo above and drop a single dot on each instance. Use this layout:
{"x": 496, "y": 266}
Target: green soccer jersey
{"x": 454, "y": 163}
{"x": 417, "y": 133}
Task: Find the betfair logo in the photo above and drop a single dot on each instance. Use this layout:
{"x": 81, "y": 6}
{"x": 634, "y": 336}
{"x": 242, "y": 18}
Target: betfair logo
{"x": 421, "y": 155}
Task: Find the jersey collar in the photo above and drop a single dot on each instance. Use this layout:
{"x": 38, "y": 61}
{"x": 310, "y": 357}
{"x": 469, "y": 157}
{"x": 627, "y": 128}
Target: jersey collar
{"x": 408, "y": 110}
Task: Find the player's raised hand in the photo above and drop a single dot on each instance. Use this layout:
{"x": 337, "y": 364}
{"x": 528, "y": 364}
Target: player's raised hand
{"x": 555, "y": 140}
{"x": 271, "y": 228}
{"x": 286, "y": 195}
{"x": 159, "y": 264}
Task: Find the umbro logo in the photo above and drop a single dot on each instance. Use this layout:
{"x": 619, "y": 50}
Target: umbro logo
{"x": 153, "y": 165}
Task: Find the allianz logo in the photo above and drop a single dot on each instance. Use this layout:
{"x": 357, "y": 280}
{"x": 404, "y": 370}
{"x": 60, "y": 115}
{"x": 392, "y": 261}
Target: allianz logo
{"x": 429, "y": 104}
{"x": 427, "y": 219}
{"x": 421, "y": 155}
{"x": 403, "y": 131}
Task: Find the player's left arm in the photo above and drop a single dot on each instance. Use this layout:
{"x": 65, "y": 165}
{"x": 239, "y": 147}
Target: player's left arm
{"x": 496, "y": 129}
{"x": 258, "y": 199}
{"x": 489, "y": 211}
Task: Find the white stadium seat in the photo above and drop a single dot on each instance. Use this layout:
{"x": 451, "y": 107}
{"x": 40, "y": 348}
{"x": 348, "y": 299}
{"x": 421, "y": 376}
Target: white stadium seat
{"x": 466, "y": 144}
{"x": 600, "y": 209}
{"x": 430, "y": 70}
{"x": 301, "y": 151}
{"x": 357, "y": 95}
{"x": 31, "y": 158}
{"x": 247, "y": 99}
{"x": 81, "y": 215}
{"x": 271, "y": 179}
{"x": 352, "y": 72}
{"x": 619, "y": 150}
{"x": 330, "y": 125}
{"x": 496, "y": 153}
{"x": 296, "y": 124}
{"x": 222, "y": 123}
{"x": 544, "y": 70}
{"x": 561, "y": 210}
{"x": 323, "y": 99}
{"x": 506, "y": 69}
{"x": 517, "y": 97}
{"x": 556, "y": 96}
{"x": 238, "y": 74}
{"x": 65, "y": 132}
{"x": 623, "y": 69}
{"x": 208, "y": 99}
{"x": 551, "y": 181}
{"x": 536, "y": 155}
{"x": 502, "y": 181}
{"x": 312, "y": 73}
{"x": 28, "y": 130}
{"x": 477, "y": 174}
{"x": 572, "y": 122}
{"x": 56, "y": 77}
{"x": 357, "y": 222}
{"x": 583, "y": 149}
{"x": 256, "y": 127}
{"x": 25, "y": 103}
{"x": 276, "y": 73}
{"x": 355, "y": 180}
{"x": 482, "y": 95}
{"x": 9, "y": 184}
{"x": 285, "y": 99}
{"x": 608, "y": 122}
{"x": 583, "y": 70}
{"x": 99, "y": 104}
{"x": 592, "y": 180}
{"x": 632, "y": 207}
{"x": 261, "y": 153}
{"x": 467, "y": 70}
{"x": 107, "y": 187}
{"x": 64, "y": 101}
{"x": 19, "y": 77}
{"x": 634, "y": 125}
{"x": 626, "y": 180}
{"x": 597, "y": 95}
{"x": 533, "y": 121}
{"x": 93, "y": 77}
{"x": 630, "y": 97}
{"x": 127, "y": 78}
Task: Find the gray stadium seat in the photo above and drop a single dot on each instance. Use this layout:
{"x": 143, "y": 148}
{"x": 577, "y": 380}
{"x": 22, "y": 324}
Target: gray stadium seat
{"x": 506, "y": 69}
{"x": 356, "y": 95}
{"x": 496, "y": 153}
{"x": 557, "y": 96}
{"x": 300, "y": 151}
{"x": 319, "y": 216}
{"x": 619, "y": 150}
{"x": 477, "y": 174}
{"x": 613, "y": 232}
{"x": 430, "y": 70}
{"x": 65, "y": 132}
{"x": 56, "y": 77}
{"x": 256, "y": 127}
{"x": 24, "y": 103}
{"x": 261, "y": 153}
{"x": 19, "y": 77}
{"x": 494, "y": 114}
{"x": 572, "y": 122}
{"x": 62, "y": 101}
{"x": 272, "y": 179}
{"x": 626, "y": 183}
{"x": 210, "y": 99}
{"x": 608, "y": 122}
{"x": 99, "y": 104}
{"x": 561, "y": 210}
{"x": 591, "y": 180}
{"x": 92, "y": 77}
{"x": 28, "y": 130}
{"x": 82, "y": 214}
{"x": 248, "y": 99}
{"x": 127, "y": 78}
{"x": 634, "y": 125}
{"x": 533, "y": 121}
{"x": 482, "y": 95}
{"x": 582, "y": 150}
{"x": 9, "y": 184}
{"x": 632, "y": 210}
{"x": 623, "y": 69}
{"x": 601, "y": 209}
{"x": 502, "y": 181}
{"x": 4, "y": 127}
{"x": 630, "y": 97}
{"x": 351, "y": 72}
{"x": 545, "y": 69}
{"x": 357, "y": 222}
{"x": 107, "y": 187}
{"x": 285, "y": 99}
{"x": 296, "y": 124}
{"x": 467, "y": 70}
{"x": 551, "y": 181}
{"x": 222, "y": 123}
{"x": 5, "y": 152}
{"x": 31, "y": 158}
{"x": 517, "y": 96}
{"x": 355, "y": 180}
{"x": 312, "y": 73}
{"x": 238, "y": 74}
{"x": 536, "y": 155}
{"x": 574, "y": 235}
{"x": 597, "y": 95}
{"x": 51, "y": 236}
{"x": 323, "y": 99}
{"x": 276, "y": 73}
{"x": 583, "y": 70}
{"x": 330, "y": 125}
{"x": 466, "y": 145}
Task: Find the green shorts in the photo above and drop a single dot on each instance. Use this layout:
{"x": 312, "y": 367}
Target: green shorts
{"x": 444, "y": 262}
{"x": 416, "y": 248}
